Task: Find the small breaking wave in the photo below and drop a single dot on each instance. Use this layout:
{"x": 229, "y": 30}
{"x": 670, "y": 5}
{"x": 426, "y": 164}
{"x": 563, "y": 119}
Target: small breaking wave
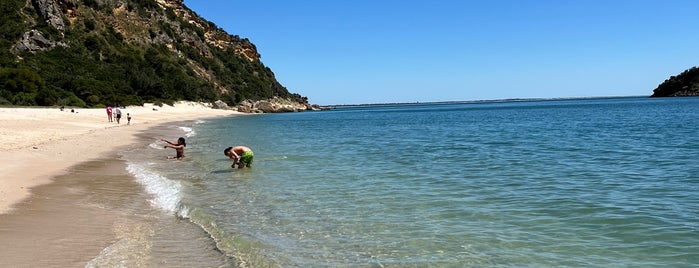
{"x": 188, "y": 131}
{"x": 166, "y": 192}
{"x": 156, "y": 145}
{"x": 167, "y": 196}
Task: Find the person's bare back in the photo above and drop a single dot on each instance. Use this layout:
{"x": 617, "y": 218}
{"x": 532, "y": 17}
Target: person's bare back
{"x": 241, "y": 155}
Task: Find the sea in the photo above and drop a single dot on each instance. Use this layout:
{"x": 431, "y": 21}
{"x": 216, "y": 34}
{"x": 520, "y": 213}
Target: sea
{"x": 593, "y": 182}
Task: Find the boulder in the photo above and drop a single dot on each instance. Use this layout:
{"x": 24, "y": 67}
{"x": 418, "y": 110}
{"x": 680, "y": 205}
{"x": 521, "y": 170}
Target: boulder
{"x": 219, "y": 104}
{"x": 245, "y": 106}
{"x": 265, "y": 106}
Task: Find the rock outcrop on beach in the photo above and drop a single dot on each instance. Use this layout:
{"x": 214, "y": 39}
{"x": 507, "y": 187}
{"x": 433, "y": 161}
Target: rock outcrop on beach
{"x": 94, "y": 53}
{"x": 683, "y": 85}
{"x": 275, "y": 105}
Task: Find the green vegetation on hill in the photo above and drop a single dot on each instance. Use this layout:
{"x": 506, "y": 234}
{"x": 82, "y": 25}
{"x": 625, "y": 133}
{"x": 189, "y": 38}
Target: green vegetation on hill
{"x": 684, "y": 84}
{"x": 12, "y": 27}
{"x": 112, "y": 54}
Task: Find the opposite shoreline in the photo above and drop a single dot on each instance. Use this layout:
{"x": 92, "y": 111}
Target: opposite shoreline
{"x": 42, "y": 143}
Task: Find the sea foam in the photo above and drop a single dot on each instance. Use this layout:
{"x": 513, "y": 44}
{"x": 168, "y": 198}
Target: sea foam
{"x": 156, "y": 145}
{"x": 166, "y": 192}
{"x": 188, "y": 131}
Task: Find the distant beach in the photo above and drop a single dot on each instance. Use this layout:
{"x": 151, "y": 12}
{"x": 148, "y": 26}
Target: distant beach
{"x": 41, "y": 144}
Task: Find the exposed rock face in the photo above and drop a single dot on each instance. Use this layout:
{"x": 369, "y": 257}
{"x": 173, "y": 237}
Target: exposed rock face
{"x": 275, "y": 105}
{"x": 212, "y": 34}
{"x": 49, "y": 10}
{"x": 33, "y": 41}
{"x": 686, "y": 92}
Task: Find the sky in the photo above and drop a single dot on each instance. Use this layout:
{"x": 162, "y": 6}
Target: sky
{"x": 400, "y": 51}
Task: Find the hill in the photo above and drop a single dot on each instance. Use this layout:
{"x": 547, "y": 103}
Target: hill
{"x": 94, "y": 53}
{"x": 682, "y": 85}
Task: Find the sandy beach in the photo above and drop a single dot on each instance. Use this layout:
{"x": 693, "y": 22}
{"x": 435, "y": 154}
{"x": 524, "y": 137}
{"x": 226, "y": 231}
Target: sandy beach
{"x": 41, "y": 143}
{"x": 54, "y": 162}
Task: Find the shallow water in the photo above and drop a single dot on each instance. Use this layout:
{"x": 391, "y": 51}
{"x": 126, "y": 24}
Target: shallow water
{"x": 96, "y": 215}
{"x": 558, "y": 183}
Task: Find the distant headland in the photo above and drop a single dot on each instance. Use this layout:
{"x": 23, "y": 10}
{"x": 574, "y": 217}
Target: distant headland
{"x": 685, "y": 84}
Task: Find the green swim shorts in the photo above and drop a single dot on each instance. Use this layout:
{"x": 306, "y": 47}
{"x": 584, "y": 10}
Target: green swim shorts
{"x": 246, "y": 158}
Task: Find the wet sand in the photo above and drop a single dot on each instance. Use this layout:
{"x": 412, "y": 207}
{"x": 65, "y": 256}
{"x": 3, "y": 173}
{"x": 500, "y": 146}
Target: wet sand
{"x": 66, "y": 199}
{"x": 97, "y": 215}
{"x": 59, "y": 226}
{"x": 40, "y": 143}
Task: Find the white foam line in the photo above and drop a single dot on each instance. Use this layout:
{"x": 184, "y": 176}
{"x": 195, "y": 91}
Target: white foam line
{"x": 166, "y": 192}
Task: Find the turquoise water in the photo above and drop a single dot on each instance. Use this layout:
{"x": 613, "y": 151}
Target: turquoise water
{"x": 610, "y": 182}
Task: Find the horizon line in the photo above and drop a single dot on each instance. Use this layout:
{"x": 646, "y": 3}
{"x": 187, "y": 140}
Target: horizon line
{"x": 480, "y": 101}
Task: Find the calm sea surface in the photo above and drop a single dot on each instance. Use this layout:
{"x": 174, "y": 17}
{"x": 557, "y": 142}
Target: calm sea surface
{"x": 610, "y": 182}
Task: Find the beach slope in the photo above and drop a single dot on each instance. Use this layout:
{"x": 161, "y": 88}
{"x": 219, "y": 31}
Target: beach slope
{"x": 39, "y": 144}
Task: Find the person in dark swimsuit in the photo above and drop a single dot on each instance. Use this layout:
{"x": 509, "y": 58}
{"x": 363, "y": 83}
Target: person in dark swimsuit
{"x": 179, "y": 147}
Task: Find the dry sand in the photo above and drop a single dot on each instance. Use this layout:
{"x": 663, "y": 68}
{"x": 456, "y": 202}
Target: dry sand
{"x": 38, "y": 144}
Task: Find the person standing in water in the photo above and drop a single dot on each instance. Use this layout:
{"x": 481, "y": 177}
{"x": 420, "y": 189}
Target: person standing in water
{"x": 241, "y": 155}
{"x": 179, "y": 147}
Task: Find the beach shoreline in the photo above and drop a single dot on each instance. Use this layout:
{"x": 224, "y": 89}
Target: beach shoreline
{"x": 42, "y": 143}
{"x": 97, "y": 214}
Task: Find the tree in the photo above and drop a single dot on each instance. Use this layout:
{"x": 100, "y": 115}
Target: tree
{"x": 20, "y": 86}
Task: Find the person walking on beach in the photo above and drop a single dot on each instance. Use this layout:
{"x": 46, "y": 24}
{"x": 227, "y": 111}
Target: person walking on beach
{"x": 109, "y": 113}
{"x": 179, "y": 147}
{"x": 117, "y": 114}
{"x": 128, "y": 119}
{"x": 241, "y": 155}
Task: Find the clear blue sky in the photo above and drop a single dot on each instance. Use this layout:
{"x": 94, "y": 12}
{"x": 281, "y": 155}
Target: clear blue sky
{"x": 377, "y": 51}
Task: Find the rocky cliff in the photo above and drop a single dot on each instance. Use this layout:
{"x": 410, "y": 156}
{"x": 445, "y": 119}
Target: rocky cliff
{"x": 134, "y": 27}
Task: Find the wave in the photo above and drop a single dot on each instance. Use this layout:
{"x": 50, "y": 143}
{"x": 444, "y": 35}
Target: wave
{"x": 156, "y": 145}
{"x": 167, "y": 196}
{"x": 167, "y": 193}
{"x": 188, "y": 131}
